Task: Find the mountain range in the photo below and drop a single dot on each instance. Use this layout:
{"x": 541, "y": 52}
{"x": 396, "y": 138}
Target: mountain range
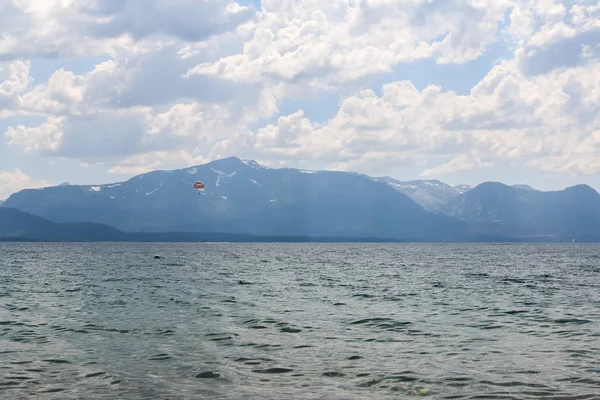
{"x": 244, "y": 198}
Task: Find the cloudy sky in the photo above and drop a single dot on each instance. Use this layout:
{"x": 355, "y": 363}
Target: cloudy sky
{"x": 465, "y": 91}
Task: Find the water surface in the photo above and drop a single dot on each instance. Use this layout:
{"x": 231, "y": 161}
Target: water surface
{"x": 301, "y": 321}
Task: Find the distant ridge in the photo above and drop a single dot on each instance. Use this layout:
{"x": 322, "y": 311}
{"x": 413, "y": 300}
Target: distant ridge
{"x": 572, "y": 213}
{"x": 524, "y": 187}
{"x": 21, "y": 226}
{"x": 17, "y": 226}
{"x": 246, "y": 199}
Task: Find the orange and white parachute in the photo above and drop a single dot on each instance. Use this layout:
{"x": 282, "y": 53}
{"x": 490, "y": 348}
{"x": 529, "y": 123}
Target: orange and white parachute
{"x": 199, "y": 186}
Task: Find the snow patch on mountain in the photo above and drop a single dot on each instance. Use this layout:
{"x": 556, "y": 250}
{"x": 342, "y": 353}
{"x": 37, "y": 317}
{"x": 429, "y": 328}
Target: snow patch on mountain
{"x": 253, "y": 164}
{"x": 221, "y": 175}
{"x": 462, "y": 188}
{"x": 400, "y": 186}
{"x": 430, "y": 194}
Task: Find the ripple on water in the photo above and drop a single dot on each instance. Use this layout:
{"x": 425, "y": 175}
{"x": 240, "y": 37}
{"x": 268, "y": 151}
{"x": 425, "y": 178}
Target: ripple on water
{"x": 276, "y": 370}
{"x": 160, "y": 357}
{"x": 208, "y": 375}
{"x": 364, "y": 321}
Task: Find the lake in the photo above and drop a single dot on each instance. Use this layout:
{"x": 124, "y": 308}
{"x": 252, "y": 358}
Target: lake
{"x": 299, "y": 321}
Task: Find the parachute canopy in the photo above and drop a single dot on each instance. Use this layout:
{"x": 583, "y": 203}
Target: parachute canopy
{"x": 198, "y": 185}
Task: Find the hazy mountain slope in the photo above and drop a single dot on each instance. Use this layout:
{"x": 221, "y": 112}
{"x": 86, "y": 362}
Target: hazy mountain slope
{"x": 15, "y": 224}
{"x": 244, "y": 197}
{"x": 431, "y": 194}
{"x": 574, "y": 211}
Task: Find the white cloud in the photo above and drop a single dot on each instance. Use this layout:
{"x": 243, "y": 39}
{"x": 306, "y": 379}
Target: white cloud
{"x": 194, "y": 80}
{"x": 14, "y": 81}
{"x": 35, "y": 28}
{"x": 58, "y": 28}
{"x": 328, "y": 44}
{"x": 190, "y": 20}
{"x": 11, "y": 182}
{"x": 286, "y": 134}
{"x": 45, "y": 138}
{"x": 143, "y": 163}
{"x": 555, "y": 34}
{"x": 201, "y": 121}
{"x": 14, "y": 78}
{"x": 462, "y": 162}
{"x": 507, "y": 116}
{"x": 148, "y": 76}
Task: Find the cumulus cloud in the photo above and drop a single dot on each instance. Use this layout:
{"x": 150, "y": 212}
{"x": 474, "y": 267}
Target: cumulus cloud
{"x": 146, "y": 162}
{"x": 57, "y": 28}
{"x": 193, "y": 80}
{"x": 14, "y": 81}
{"x": 11, "y": 182}
{"x": 149, "y": 76}
{"x": 34, "y": 28}
{"x": 190, "y": 20}
{"x": 462, "y": 162}
{"x": 43, "y": 139}
{"x": 552, "y": 34}
{"x": 506, "y": 116}
{"x": 332, "y": 43}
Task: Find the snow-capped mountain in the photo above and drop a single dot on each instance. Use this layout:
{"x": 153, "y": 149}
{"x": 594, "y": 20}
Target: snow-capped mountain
{"x": 241, "y": 196}
{"x": 570, "y": 213}
{"x": 463, "y": 188}
{"x": 431, "y": 194}
{"x": 244, "y": 197}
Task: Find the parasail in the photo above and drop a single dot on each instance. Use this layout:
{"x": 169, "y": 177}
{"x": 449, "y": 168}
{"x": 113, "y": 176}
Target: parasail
{"x": 199, "y": 186}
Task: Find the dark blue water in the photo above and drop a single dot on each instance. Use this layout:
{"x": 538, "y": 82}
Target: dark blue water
{"x": 299, "y": 321}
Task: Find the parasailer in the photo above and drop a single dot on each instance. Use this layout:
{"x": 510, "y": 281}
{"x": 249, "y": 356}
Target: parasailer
{"x": 199, "y": 186}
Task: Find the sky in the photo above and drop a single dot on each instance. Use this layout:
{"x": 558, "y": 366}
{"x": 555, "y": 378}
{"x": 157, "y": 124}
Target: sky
{"x": 464, "y": 91}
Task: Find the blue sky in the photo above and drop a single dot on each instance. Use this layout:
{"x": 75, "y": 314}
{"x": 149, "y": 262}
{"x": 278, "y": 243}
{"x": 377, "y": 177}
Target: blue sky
{"x": 98, "y": 92}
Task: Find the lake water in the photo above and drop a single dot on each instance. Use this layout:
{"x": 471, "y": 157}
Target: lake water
{"x": 299, "y": 321}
